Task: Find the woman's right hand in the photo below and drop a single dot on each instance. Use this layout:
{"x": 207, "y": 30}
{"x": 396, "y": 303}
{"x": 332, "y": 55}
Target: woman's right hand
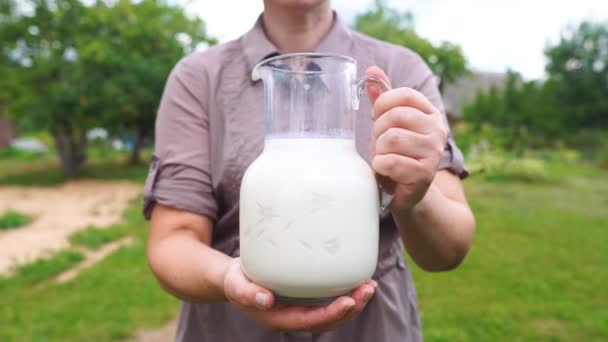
{"x": 258, "y": 303}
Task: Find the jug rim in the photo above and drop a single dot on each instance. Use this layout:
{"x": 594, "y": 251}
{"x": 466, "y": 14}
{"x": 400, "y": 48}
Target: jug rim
{"x": 303, "y": 54}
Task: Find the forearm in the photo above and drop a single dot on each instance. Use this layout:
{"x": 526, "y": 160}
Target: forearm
{"x": 437, "y": 232}
{"x": 188, "y": 268}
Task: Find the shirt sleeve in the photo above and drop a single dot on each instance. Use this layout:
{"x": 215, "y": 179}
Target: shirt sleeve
{"x": 180, "y": 173}
{"x": 425, "y": 83}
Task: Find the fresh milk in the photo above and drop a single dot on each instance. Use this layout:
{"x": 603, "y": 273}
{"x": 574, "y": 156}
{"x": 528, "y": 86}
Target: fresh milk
{"x": 309, "y": 218}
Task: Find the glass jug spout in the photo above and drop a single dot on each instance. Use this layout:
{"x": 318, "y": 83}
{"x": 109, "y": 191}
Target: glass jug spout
{"x": 258, "y": 71}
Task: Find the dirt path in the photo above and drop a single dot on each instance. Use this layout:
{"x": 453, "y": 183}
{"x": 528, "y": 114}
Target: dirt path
{"x": 164, "y": 334}
{"x": 58, "y": 212}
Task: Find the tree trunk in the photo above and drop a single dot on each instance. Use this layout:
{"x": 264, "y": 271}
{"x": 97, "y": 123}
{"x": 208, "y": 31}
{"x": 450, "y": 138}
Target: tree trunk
{"x": 138, "y": 141}
{"x": 71, "y": 147}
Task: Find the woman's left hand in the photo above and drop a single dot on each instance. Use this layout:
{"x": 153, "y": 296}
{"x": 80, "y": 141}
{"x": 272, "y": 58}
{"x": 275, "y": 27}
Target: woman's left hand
{"x": 408, "y": 141}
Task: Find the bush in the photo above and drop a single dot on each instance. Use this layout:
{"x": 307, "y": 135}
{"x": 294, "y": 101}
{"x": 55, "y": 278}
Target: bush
{"x": 517, "y": 141}
{"x": 13, "y": 153}
{"x": 499, "y": 166}
{"x": 587, "y": 145}
{"x": 559, "y": 155}
{"x": 602, "y": 158}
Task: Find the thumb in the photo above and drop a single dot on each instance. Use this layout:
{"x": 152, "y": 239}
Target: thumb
{"x": 242, "y": 291}
{"x": 372, "y": 91}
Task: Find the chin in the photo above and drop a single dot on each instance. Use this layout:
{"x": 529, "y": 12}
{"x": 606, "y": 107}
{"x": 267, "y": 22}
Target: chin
{"x": 298, "y": 3}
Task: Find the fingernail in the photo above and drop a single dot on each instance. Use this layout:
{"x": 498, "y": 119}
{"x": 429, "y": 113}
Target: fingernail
{"x": 261, "y": 300}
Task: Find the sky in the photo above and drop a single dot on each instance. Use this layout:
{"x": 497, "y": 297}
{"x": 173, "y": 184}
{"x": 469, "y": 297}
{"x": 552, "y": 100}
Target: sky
{"x": 495, "y": 34}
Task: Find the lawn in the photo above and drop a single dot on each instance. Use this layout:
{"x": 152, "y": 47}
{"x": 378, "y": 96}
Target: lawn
{"x": 538, "y": 271}
{"x": 107, "y": 302}
{"x": 31, "y": 169}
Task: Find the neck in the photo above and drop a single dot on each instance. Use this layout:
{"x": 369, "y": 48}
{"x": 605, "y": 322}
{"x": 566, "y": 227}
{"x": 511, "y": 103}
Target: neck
{"x": 296, "y": 30}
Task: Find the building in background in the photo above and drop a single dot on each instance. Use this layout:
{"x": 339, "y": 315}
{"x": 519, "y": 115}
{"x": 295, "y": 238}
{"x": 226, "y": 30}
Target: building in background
{"x": 456, "y": 95}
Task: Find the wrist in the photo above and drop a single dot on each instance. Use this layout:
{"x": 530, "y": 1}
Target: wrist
{"x": 404, "y": 206}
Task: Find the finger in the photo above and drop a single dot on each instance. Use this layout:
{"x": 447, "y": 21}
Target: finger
{"x": 362, "y": 295}
{"x": 242, "y": 291}
{"x": 402, "y": 97}
{"x": 300, "y": 318}
{"x": 407, "y": 143}
{"x": 401, "y": 169}
{"x": 372, "y": 91}
{"x": 404, "y": 117}
{"x": 386, "y": 184}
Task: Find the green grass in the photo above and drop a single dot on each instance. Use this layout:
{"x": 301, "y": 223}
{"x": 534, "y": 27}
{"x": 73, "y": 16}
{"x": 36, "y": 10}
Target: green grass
{"x": 13, "y": 219}
{"x": 50, "y": 173}
{"x": 43, "y": 169}
{"x": 39, "y": 271}
{"x": 13, "y": 153}
{"x": 538, "y": 269}
{"x": 16, "y": 165}
{"x": 93, "y": 238}
{"x": 106, "y": 302}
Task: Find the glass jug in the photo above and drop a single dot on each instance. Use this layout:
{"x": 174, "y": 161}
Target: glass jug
{"x": 309, "y": 204}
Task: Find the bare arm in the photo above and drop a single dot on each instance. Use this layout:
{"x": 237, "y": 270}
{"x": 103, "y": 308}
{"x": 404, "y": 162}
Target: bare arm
{"x": 438, "y": 231}
{"x": 181, "y": 258}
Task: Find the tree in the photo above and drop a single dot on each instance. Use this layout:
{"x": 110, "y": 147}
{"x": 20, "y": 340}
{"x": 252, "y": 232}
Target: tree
{"x": 146, "y": 39}
{"x": 525, "y": 113}
{"x": 385, "y": 23}
{"x": 74, "y": 67}
{"x": 7, "y": 10}
{"x": 577, "y": 68}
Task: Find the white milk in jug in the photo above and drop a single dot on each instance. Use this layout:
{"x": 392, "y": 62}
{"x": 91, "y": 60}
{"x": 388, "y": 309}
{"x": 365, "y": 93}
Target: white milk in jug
{"x": 309, "y": 216}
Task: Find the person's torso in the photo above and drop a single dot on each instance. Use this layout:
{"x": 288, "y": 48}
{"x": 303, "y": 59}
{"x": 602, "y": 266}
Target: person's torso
{"x": 235, "y": 106}
{"x": 236, "y": 124}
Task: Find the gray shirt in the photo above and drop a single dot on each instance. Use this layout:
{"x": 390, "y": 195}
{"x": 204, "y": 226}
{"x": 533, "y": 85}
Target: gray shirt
{"x": 210, "y": 127}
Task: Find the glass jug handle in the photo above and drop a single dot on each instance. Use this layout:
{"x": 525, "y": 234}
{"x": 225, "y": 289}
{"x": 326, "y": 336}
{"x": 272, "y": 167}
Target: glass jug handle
{"x": 386, "y": 185}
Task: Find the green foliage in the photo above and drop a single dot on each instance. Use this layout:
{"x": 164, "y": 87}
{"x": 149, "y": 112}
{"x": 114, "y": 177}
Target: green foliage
{"x": 93, "y": 237}
{"x": 13, "y": 219}
{"x": 577, "y": 67}
{"x": 14, "y": 153}
{"x": 385, "y": 23}
{"x": 106, "y": 302}
{"x": 70, "y": 67}
{"x": 39, "y": 271}
{"x": 574, "y": 98}
{"x": 526, "y": 111}
{"x": 496, "y": 166}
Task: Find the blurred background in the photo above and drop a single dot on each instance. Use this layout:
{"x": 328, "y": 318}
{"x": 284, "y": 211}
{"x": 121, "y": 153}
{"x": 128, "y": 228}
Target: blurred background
{"x": 526, "y": 89}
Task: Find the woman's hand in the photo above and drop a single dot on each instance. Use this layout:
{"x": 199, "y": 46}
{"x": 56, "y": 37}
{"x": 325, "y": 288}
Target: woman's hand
{"x": 408, "y": 141}
{"x": 258, "y": 303}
